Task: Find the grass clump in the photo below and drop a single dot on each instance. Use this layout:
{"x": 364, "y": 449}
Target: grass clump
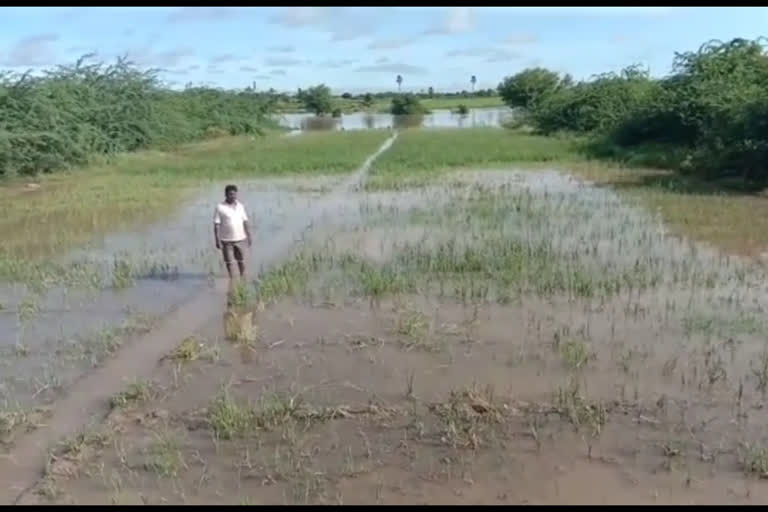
{"x": 465, "y": 419}
{"x": 136, "y": 393}
{"x": 229, "y": 419}
{"x": 164, "y": 457}
{"x": 754, "y": 460}
{"x": 580, "y": 411}
{"x": 575, "y": 354}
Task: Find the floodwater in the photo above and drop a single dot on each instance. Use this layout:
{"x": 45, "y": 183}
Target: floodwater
{"x": 173, "y": 261}
{"x": 475, "y": 118}
{"x": 177, "y": 267}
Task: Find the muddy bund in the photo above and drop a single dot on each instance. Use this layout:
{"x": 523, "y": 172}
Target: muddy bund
{"x": 426, "y": 328}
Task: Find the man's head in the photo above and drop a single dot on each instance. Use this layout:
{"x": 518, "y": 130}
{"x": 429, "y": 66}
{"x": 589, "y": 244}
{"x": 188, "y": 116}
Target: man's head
{"x": 230, "y": 193}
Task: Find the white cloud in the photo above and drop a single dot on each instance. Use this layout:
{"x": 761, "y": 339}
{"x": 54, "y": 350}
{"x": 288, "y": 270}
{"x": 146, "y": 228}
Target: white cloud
{"x": 226, "y": 57}
{"x": 284, "y": 61}
{"x": 146, "y": 56}
{"x": 281, "y": 49}
{"x": 336, "y": 63}
{"x": 32, "y": 51}
{"x": 204, "y": 14}
{"x": 300, "y": 16}
{"x": 393, "y": 67}
{"x": 520, "y": 39}
{"x": 392, "y": 44}
{"x": 490, "y": 54}
{"x": 342, "y": 23}
{"x": 456, "y": 21}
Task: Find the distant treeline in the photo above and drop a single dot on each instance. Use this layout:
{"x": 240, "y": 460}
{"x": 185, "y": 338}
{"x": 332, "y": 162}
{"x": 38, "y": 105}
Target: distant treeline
{"x": 425, "y": 94}
{"x": 72, "y": 113}
{"x": 708, "y": 118}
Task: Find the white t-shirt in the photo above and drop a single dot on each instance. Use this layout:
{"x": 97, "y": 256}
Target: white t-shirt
{"x": 230, "y": 220}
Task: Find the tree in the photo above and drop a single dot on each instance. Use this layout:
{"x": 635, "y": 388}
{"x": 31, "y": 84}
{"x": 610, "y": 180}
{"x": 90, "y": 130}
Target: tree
{"x": 318, "y": 99}
{"x": 473, "y": 81}
{"x": 368, "y": 100}
{"x": 346, "y": 96}
{"x": 407, "y": 104}
{"x": 399, "y": 81}
{"x": 431, "y": 92}
{"x": 528, "y": 87}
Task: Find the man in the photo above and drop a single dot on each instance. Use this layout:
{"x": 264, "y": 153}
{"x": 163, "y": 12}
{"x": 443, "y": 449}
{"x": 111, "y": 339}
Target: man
{"x": 231, "y": 231}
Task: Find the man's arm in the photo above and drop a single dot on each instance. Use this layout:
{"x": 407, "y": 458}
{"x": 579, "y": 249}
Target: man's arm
{"x": 216, "y": 223}
{"x": 247, "y": 232}
{"x": 246, "y": 227}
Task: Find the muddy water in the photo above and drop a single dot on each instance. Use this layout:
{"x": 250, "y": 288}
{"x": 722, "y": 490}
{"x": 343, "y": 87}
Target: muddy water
{"x": 579, "y": 218}
{"x": 171, "y": 261}
{"x": 479, "y": 117}
{"x": 88, "y": 396}
{"x": 699, "y": 289}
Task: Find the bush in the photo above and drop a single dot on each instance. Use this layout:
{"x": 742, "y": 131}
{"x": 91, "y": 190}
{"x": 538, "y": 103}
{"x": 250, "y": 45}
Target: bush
{"x": 526, "y": 88}
{"x": 318, "y": 99}
{"x": 73, "y": 113}
{"x": 710, "y": 115}
{"x": 407, "y": 105}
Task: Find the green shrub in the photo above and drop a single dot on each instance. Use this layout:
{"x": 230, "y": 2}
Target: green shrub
{"x": 72, "y": 113}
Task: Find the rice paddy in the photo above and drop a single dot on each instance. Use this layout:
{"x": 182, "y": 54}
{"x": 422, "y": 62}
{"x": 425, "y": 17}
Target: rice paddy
{"x": 491, "y": 318}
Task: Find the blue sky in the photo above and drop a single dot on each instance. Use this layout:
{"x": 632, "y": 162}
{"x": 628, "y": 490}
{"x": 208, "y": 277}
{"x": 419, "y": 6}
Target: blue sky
{"x": 363, "y": 48}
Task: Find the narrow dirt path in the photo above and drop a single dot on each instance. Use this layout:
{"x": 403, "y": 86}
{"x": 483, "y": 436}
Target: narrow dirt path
{"x": 88, "y": 399}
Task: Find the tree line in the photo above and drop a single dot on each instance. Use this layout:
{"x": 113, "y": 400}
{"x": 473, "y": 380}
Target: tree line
{"x": 708, "y": 117}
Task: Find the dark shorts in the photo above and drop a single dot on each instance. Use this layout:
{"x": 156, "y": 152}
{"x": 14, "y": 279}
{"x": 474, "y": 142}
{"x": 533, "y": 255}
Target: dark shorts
{"x": 236, "y": 248}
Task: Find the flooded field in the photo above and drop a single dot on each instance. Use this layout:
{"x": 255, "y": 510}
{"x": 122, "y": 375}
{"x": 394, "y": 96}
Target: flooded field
{"x": 438, "y": 326}
{"x": 475, "y": 118}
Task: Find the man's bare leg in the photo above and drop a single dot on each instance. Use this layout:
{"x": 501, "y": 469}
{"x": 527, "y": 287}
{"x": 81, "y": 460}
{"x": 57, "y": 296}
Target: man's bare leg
{"x": 226, "y": 253}
{"x": 241, "y": 267}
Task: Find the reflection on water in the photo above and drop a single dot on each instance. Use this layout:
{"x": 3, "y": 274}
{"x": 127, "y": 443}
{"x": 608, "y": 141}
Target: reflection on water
{"x": 314, "y": 123}
{"x": 370, "y": 121}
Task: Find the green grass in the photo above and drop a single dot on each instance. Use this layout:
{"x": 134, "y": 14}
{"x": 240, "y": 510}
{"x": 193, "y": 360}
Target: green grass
{"x": 230, "y": 419}
{"x": 422, "y": 156}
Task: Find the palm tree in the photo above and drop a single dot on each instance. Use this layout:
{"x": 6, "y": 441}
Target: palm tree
{"x": 473, "y": 81}
{"x": 399, "y": 81}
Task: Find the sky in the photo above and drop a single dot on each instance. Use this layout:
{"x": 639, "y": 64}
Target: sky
{"x": 357, "y": 49}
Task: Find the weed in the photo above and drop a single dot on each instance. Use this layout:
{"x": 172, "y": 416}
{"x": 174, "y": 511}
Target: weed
{"x": 192, "y": 349}
{"x": 241, "y": 295}
{"x": 136, "y": 393}
{"x": 760, "y": 371}
{"x": 579, "y": 411}
{"x": 576, "y": 355}
{"x": 754, "y": 459}
{"x": 466, "y": 416}
{"x": 228, "y": 419}
{"x": 122, "y": 274}
{"x": 164, "y": 457}
{"x": 413, "y": 327}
